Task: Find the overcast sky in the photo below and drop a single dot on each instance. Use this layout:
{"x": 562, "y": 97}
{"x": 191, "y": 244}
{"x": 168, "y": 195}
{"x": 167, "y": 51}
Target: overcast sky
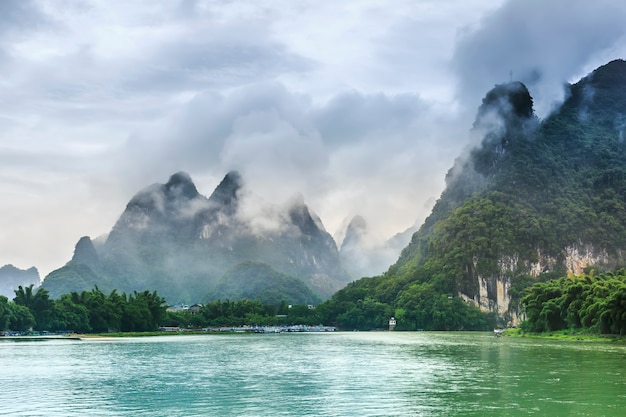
{"x": 359, "y": 105}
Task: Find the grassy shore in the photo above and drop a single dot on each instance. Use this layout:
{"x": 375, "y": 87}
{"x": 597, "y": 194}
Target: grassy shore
{"x": 567, "y": 334}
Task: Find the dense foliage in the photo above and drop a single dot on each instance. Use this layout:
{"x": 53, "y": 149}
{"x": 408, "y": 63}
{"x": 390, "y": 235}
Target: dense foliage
{"x": 594, "y": 303}
{"x": 89, "y": 311}
{"x": 259, "y": 281}
{"x": 370, "y": 302}
{"x": 95, "y": 312}
{"x": 529, "y": 193}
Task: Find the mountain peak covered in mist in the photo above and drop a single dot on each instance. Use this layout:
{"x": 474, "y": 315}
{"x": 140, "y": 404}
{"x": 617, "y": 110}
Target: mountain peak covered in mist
{"x": 355, "y": 232}
{"x": 180, "y": 185}
{"x": 509, "y": 100}
{"x": 85, "y": 252}
{"x": 599, "y": 94}
{"x": 226, "y": 192}
{"x": 172, "y": 239}
{"x": 12, "y": 277}
{"x": 364, "y": 254}
{"x": 610, "y": 75}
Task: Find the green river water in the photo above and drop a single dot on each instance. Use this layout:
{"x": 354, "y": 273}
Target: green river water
{"x": 328, "y": 374}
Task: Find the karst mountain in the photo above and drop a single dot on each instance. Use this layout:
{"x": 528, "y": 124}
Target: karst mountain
{"x": 535, "y": 200}
{"x": 190, "y": 248}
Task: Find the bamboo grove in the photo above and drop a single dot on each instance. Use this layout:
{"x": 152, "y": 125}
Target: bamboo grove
{"x": 589, "y": 303}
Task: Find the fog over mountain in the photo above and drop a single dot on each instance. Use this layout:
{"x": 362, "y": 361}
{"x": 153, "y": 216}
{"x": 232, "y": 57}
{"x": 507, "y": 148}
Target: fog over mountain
{"x": 364, "y": 254}
{"x": 189, "y": 248}
{"x": 11, "y": 278}
{"x": 361, "y": 107}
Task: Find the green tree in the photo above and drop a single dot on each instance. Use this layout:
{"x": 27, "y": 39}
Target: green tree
{"x": 4, "y": 313}
{"x": 70, "y": 315}
{"x": 20, "y": 318}
{"x": 595, "y": 303}
{"x": 143, "y": 312}
{"x": 39, "y": 304}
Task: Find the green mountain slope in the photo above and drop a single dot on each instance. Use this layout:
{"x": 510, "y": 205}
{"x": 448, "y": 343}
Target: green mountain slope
{"x": 259, "y": 281}
{"x": 534, "y": 200}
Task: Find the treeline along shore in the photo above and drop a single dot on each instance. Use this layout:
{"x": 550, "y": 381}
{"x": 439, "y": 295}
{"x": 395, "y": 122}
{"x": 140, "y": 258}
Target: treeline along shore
{"x": 96, "y": 312}
{"x": 588, "y": 303}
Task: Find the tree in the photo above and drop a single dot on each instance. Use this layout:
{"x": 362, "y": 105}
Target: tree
{"x": 20, "y": 318}
{"x": 39, "y": 304}
{"x": 143, "y": 312}
{"x": 4, "y": 313}
{"x": 70, "y": 315}
{"x": 594, "y": 303}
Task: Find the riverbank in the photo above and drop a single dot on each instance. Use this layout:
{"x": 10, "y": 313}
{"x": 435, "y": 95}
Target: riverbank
{"x": 567, "y": 335}
{"x": 41, "y": 337}
{"x": 176, "y": 331}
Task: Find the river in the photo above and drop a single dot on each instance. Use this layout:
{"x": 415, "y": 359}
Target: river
{"x": 313, "y": 374}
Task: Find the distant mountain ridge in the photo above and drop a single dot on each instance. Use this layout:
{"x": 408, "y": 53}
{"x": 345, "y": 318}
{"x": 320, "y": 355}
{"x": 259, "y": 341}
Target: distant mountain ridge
{"x": 172, "y": 239}
{"x": 363, "y": 255}
{"x": 535, "y": 200}
{"x": 12, "y": 277}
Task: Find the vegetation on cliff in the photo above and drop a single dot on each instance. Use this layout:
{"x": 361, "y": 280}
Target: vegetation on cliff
{"x": 512, "y": 209}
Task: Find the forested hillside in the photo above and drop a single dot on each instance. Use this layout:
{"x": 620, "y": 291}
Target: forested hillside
{"x": 536, "y": 199}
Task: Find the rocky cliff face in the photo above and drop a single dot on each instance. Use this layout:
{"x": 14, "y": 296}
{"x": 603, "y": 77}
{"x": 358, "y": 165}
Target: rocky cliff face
{"x": 494, "y": 291}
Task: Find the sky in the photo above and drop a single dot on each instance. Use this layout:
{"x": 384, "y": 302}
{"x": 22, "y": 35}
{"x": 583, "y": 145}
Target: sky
{"x": 361, "y": 106}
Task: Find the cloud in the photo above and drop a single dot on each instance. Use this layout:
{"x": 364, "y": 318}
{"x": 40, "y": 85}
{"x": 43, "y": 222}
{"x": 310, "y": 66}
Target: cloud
{"x": 542, "y": 44}
{"x": 354, "y": 117}
{"x": 360, "y": 106}
{"x": 215, "y": 55}
{"x": 20, "y": 17}
{"x": 261, "y": 124}
{"x": 355, "y": 154}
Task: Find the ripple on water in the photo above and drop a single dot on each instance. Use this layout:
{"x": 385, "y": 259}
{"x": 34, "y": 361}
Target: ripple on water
{"x": 341, "y": 374}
